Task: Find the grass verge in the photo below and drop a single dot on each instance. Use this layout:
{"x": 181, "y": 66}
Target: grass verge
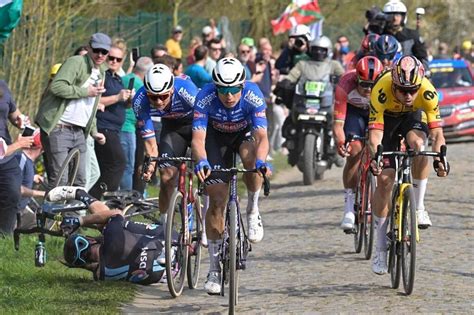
{"x": 53, "y": 289}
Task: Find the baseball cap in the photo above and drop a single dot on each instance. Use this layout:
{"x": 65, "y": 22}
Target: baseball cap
{"x": 100, "y": 40}
{"x": 206, "y": 30}
{"x": 248, "y": 41}
{"x": 177, "y": 29}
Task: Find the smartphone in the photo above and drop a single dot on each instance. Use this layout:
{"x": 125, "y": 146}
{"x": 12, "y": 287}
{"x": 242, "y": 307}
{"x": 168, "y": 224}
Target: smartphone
{"x": 135, "y": 54}
{"x": 131, "y": 83}
{"x": 28, "y": 131}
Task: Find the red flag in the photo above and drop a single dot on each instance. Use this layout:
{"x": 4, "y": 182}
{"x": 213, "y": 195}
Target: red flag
{"x": 298, "y": 12}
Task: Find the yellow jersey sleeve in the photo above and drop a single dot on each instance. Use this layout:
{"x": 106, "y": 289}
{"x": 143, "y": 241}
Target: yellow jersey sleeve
{"x": 427, "y": 101}
{"x": 380, "y": 97}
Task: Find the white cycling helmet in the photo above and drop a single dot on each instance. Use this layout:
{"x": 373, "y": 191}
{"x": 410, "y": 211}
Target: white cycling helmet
{"x": 300, "y": 30}
{"x": 159, "y": 79}
{"x": 394, "y": 6}
{"x": 228, "y": 72}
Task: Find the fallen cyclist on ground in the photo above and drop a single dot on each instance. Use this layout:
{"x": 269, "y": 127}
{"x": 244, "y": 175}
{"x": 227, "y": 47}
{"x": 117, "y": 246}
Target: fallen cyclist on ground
{"x": 125, "y": 251}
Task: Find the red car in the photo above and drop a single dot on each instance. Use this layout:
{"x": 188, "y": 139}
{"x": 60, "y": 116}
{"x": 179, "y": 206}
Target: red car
{"x": 454, "y": 81}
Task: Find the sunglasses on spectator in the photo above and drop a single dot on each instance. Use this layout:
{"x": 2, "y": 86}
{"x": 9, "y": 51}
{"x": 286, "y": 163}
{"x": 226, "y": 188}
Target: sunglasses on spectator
{"x": 216, "y": 49}
{"x": 100, "y": 51}
{"x": 229, "y": 89}
{"x": 410, "y": 91}
{"x": 156, "y": 97}
{"x": 365, "y": 84}
{"x": 112, "y": 58}
{"x": 245, "y": 51}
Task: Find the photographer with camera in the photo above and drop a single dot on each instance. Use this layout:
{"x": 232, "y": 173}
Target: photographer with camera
{"x": 296, "y": 50}
{"x": 412, "y": 43}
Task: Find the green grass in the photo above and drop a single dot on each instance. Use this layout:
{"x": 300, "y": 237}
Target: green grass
{"x": 53, "y": 289}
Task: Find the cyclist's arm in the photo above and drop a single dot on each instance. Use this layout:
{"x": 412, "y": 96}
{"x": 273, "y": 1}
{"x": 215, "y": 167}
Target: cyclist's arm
{"x": 151, "y": 147}
{"x": 199, "y": 144}
{"x": 261, "y": 143}
{"x": 437, "y": 138}
{"x": 375, "y": 138}
{"x": 340, "y": 108}
{"x": 100, "y": 218}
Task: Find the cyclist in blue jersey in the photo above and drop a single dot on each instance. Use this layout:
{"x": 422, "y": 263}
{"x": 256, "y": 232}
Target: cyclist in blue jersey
{"x": 229, "y": 116}
{"x": 171, "y": 98}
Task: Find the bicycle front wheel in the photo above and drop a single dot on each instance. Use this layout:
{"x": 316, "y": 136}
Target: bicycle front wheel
{"x": 368, "y": 223}
{"x": 68, "y": 171}
{"x": 408, "y": 245}
{"x": 195, "y": 230}
{"x": 394, "y": 263}
{"x": 233, "y": 272}
{"x": 359, "y": 218}
{"x": 176, "y": 249}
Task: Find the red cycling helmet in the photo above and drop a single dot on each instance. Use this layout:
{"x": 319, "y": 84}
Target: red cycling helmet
{"x": 408, "y": 73}
{"x": 368, "y": 68}
{"x": 368, "y": 43}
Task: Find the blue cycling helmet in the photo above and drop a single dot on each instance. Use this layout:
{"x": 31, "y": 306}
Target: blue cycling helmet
{"x": 76, "y": 249}
{"x": 386, "y": 47}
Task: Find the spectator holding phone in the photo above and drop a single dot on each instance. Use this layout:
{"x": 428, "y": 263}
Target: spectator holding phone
{"x": 67, "y": 109}
{"x": 10, "y": 176}
{"x": 110, "y": 119}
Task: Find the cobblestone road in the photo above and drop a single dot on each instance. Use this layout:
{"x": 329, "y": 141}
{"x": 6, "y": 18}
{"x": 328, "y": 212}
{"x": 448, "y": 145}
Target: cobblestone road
{"x": 305, "y": 264}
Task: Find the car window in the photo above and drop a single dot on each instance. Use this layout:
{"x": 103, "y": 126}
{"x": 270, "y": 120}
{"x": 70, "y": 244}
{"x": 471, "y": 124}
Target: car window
{"x": 450, "y": 77}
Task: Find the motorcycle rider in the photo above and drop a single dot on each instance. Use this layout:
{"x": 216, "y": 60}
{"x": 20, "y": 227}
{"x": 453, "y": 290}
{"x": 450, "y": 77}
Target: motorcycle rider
{"x": 296, "y": 50}
{"x": 410, "y": 39}
{"x": 320, "y": 67}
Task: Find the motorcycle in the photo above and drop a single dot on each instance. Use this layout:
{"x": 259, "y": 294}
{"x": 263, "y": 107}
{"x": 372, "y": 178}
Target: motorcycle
{"x": 308, "y": 132}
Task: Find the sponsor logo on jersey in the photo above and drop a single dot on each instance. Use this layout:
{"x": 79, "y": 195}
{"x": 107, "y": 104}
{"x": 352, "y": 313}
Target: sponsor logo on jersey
{"x": 229, "y": 127}
{"x": 206, "y": 100}
{"x": 198, "y": 115}
{"x": 137, "y": 105}
{"x": 138, "y": 275}
{"x": 261, "y": 114}
{"x": 175, "y": 115}
{"x": 253, "y": 98}
{"x": 185, "y": 94}
{"x": 143, "y": 258}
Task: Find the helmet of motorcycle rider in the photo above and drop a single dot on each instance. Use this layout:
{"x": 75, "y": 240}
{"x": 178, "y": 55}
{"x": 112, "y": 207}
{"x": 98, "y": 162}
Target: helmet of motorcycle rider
{"x": 368, "y": 68}
{"x": 300, "y": 30}
{"x": 320, "y": 48}
{"x": 386, "y": 47}
{"x": 396, "y": 7}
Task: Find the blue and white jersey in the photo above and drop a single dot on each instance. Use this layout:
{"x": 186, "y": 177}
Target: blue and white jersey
{"x": 209, "y": 112}
{"x": 180, "y": 109}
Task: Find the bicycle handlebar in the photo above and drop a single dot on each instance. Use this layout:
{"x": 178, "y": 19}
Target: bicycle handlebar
{"x": 149, "y": 159}
{"x": 262, "y": 170}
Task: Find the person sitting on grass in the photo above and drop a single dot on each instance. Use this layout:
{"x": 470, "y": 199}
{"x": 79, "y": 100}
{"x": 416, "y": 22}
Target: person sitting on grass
{"x": 124, "y": 251}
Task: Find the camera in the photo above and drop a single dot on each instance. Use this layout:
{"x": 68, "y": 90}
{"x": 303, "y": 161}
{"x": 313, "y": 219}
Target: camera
{"x": 299, "y": 42}
{"x": 378, "y": 22}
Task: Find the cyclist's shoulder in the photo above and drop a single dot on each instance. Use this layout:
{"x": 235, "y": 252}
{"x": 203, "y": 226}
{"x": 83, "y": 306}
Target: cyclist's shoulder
{"x": 382, "y": 90}
{"x": 348, "y": 79}
{"x": 252, "y": 95}
{"x": 427, "y": 96}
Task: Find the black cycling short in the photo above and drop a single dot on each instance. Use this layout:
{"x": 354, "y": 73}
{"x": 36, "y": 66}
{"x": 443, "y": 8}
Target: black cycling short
{"x": 220, "y": 147}
{"x": 394, "y": 126}
{"x": 130, "y": 250}
{"x": 174, "y": 140}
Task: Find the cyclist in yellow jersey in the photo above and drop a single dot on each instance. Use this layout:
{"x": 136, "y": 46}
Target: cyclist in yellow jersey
{"x": 400, "y": 101}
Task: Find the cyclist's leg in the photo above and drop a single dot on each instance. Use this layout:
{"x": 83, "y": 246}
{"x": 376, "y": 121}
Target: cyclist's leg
{"x": 355, "y": 124}
{"x": 416, "y": 135}
{"x": 253, "y": 181}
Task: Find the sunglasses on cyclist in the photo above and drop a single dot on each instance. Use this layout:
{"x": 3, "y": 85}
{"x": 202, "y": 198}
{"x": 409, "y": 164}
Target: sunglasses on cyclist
{"x": 407, "y": 90}
{"x": 156, "y": 97}
{"x": 229, "y": 89}
{"x": 112, "y": 58}
{"x": 100, "y": 51}
{"x": 82, "y": 244}
{"x": 365, "y": 84}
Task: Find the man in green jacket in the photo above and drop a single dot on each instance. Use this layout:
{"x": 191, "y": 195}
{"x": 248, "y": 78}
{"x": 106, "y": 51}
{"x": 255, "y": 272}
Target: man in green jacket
{"x": 67, "y": 110}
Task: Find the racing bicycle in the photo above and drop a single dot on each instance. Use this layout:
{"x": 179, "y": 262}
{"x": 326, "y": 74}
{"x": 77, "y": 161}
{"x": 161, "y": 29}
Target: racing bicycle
{"x": 183, "y": 256}
{"x": 235, "y": 244}
{"x": 363, "y": 227}
{"x": 403, "y": 232}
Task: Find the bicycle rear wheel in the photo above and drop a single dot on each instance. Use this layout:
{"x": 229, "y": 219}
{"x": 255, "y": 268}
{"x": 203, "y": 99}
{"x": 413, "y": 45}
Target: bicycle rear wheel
{"x": 176, "y": 249}
{"x": 195, "y": 230}
{"x": 408, "y": 245}
{"x": 233, "y": 272}
{"x": 359, "y": 219}
{"x": 68, "y": 171}
{"x": 367, "y": 208}
{"x": 394, "y": 263}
